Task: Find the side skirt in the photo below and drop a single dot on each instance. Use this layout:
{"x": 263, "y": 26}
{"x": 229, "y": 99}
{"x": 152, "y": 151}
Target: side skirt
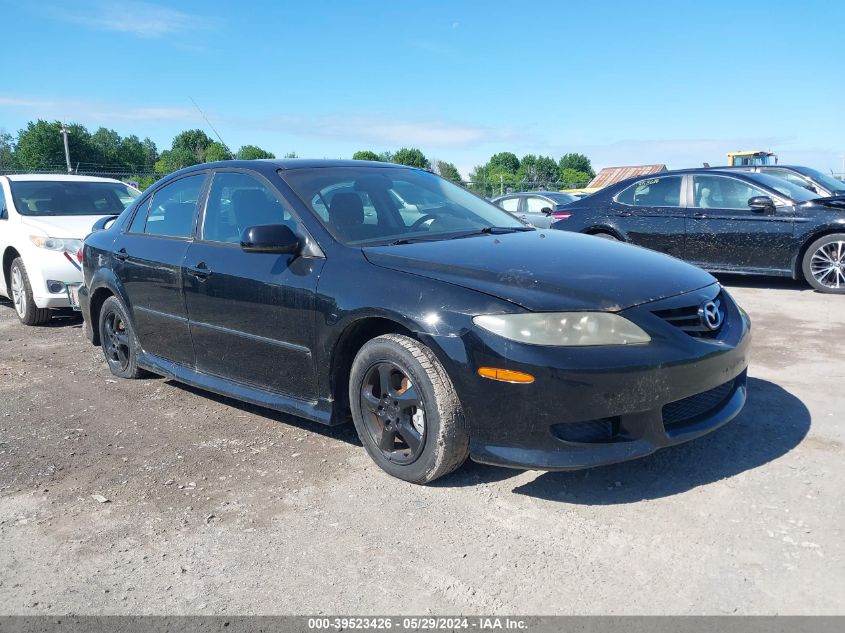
{"x": 317, "y": 411}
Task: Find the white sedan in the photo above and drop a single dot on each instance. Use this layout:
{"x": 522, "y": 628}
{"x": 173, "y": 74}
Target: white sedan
{"x": 43, "y": 220}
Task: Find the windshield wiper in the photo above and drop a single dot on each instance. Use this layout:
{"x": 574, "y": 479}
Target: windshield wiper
{"x": 493, "y": 230}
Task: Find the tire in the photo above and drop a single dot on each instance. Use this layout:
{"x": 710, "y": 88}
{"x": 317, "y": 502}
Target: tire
{"x": 605, "y": 236}
{"x": 118, "y": 340}
{"x": 21, "y": 291}
{"x": 823, "y": 264}
{"x": 415, "y": 442}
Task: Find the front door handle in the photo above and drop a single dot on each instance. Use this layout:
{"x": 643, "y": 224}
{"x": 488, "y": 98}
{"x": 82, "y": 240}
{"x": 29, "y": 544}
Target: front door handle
{"x": 121, "y": 254}
{"x": 699, "y": 216}
{"x": 200, "y": 271}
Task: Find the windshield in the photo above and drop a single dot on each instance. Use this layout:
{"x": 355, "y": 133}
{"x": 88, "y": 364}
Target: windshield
{"x": 370, "y": 205}
{"x": 825, "y": 180}
{"x": 66, "y": 197}
{"x": 790, "y": 190}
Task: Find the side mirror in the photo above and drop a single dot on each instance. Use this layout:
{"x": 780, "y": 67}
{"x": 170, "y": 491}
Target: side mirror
{"x": 4, "y": 215}
{"x": 761, "y": 204}
{"x": 546, "y": 210}
{"x": 103, "y": 223}
{"x": 270, "y": 238}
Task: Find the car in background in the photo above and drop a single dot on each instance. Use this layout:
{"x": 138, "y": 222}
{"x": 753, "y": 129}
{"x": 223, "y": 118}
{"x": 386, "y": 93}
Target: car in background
{"x": 43, "y": 220}
{"x": 724, "y": 220}
{"x": 820, "y": 183}
{"x": 444, "y": 328}
{"x": 538, "y": 208}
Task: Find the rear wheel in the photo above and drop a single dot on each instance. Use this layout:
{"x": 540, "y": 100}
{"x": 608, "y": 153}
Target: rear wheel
{"x": 824, "y": 264}
{"x": 406, "y": 411}
{"x": 120, "y": 345}
{"x": 21, "y": 291}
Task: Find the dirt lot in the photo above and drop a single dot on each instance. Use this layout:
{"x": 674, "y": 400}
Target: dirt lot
{"x": 218, "y": 507}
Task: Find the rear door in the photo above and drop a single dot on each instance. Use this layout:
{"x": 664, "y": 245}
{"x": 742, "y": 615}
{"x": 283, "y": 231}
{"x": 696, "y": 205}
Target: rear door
{"x": 251, "y": 314}
{"x": 651, "y": 214}
{"x": 723, "y": 233}
{"x": 533, "y": 211}
{"x": 149, "y": 258}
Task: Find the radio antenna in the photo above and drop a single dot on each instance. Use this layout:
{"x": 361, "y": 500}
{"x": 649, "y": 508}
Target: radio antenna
{"x": 214, "y": 129}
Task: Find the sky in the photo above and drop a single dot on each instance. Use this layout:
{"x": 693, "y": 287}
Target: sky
{"x": 679, "y": 83}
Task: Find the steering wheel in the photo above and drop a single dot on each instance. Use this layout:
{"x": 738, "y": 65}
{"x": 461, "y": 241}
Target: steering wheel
{"x": 422, "y": 220}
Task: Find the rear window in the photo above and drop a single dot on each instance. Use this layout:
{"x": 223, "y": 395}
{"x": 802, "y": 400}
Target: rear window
{"x": 34, "y": 197}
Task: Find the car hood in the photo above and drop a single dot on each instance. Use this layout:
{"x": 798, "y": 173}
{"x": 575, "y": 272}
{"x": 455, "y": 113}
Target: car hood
{"x": 547, "y": 270}
{"x": 66, "y": 226}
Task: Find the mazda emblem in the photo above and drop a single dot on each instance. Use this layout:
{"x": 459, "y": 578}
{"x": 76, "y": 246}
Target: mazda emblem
{"x": 710, "y": 315}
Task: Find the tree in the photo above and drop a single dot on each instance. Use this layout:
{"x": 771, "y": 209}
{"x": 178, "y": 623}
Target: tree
{"x": 7, "y": 151}
{"x": 40, "y": 146}
{"x": 253, "y": 152}
{"x": 506, "y": 162}
{"x": 366, "y": 154}
{"x": 412, "y": 157}
{"x": 216, "y": 151}
{"x": 577, "y": 162}
{"x": 571, "y": 178}
{"x": 538, "y": 169}
{"x": 132, "y": 155}
{"x": 194, "y": 142}
{"x": 447, "y": 171}
{"x": 150, "y": 153}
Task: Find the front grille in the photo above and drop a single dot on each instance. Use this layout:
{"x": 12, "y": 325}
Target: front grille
{"x": 689, "y": 319}
{"x": 688, "y": 409}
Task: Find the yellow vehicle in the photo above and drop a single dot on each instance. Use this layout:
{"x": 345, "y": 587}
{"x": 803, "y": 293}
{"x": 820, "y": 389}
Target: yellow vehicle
{"x": 751, "y": 159}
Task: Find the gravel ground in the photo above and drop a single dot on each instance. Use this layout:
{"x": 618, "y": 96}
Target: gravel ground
{"x": 217, "y": 507}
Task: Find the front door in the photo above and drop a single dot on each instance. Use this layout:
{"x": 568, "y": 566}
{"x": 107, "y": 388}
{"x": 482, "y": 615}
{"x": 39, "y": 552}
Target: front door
{"x": 149, "y": 264}
{"x": 723, "y": 233}
{"x": 533, "y": 211}
{"x": 251, "y": 314}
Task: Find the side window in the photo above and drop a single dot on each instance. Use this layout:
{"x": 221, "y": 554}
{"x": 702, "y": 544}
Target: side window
{"x": 795, "y": 179}
{"x": 536, "y": 205}
{"x": 722, "y": 192}
{"x": 237, "y": 201}
{"x": 4, "y": 214}
{"x": 171, "y": 210}
{"x": 140, "y": 218}
{"x": 510, "y": 204}
{"x": 653, "y": 192}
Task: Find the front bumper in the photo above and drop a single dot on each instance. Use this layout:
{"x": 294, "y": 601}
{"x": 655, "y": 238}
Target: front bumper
{"x": 44, "y": 265}
{"x": 599, "y": 405}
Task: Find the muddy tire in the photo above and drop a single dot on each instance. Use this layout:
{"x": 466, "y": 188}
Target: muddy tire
{"x": 118, "y": 340}
{"x": 824, "y": 264}
{"x": 406, "y": 411}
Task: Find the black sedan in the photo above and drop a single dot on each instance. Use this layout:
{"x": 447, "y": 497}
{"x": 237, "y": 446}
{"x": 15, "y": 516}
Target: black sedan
{"x": 724, "y": 221}
{"x": 538, "y": 208}
{"x": 442, "y": 325}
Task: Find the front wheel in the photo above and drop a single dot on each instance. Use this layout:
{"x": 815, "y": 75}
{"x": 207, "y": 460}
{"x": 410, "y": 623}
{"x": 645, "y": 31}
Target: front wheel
{"x": 406, "y": 411}
{"x": 824, "y": 264}
{"x": 21, "y": 291}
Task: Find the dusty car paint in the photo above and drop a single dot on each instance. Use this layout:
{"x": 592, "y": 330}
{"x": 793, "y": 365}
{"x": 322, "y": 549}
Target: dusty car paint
{"x": 718, "y": 240}
{"x": 281, "y": 330}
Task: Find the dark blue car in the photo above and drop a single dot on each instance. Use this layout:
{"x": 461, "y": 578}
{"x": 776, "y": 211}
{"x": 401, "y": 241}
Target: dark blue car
{"x": 444, "y": 327}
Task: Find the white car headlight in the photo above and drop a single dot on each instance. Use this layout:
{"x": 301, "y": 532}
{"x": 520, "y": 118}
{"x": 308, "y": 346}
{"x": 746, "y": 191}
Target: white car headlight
{"x": 56, "y": 243}
{"x": 564, "y": 328}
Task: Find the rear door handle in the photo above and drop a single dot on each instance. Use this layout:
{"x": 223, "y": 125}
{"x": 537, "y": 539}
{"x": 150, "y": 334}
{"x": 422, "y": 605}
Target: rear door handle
{"x": 200, "y": 271}
{"x": 699, "y": 216}
{"x": 121, "y": 254}
{"x": 624, "y": 214}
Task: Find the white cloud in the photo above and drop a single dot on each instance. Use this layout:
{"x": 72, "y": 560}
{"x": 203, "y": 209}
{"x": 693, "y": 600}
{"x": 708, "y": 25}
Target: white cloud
{"x": 136, "y": 17}
{"x": 94, "y": 113}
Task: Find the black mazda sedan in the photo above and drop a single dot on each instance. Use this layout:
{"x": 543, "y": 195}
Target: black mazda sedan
{"x": 724, "y": 221}
{"x": 439, "y": 323}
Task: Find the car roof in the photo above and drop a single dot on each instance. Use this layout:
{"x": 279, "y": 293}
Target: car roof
{"x": 299, "y": 163}
{"x": 58, "y": 178}
{"x": 534, "y": 193}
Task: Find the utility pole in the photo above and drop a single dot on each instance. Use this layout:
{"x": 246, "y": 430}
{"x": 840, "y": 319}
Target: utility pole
{"x": 67, "y": 150}
{"x": 501, "y": 185}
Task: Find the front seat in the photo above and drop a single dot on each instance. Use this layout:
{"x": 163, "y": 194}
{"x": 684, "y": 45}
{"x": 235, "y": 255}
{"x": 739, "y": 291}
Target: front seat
{"x": 346, "y": 216}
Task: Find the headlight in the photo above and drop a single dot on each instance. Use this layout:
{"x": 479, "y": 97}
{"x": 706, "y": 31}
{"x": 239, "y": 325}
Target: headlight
{"x": 56, "y": 243}
{"x": 564, "y": 328}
